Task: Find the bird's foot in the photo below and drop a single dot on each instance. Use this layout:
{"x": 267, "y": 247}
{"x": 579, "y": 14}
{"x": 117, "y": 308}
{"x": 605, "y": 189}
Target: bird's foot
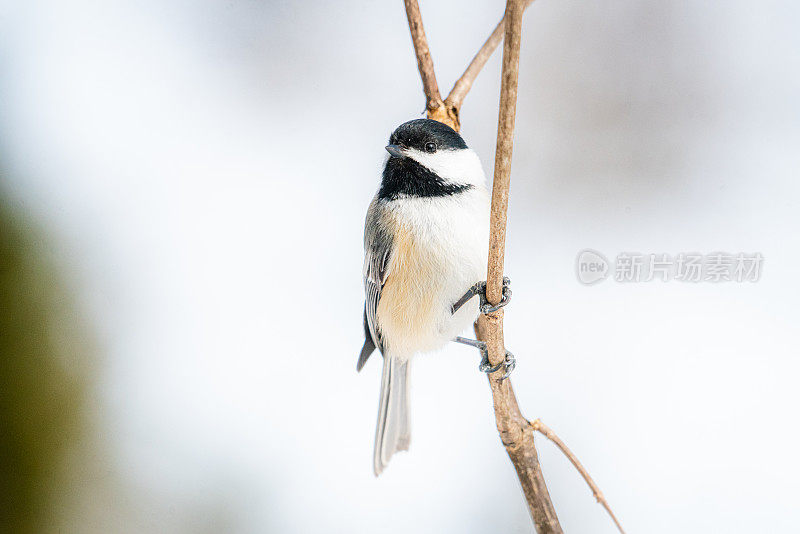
{"x": 480, "y": 290}
{"x": 486, "y": 306}
{"x": 509, "y": 362}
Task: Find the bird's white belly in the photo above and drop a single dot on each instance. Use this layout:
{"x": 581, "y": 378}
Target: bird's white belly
{"x": 440, "y": 250}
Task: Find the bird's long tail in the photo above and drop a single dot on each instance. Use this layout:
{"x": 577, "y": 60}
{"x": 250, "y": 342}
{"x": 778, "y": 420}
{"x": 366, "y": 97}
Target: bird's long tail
{"x": 393, "y": 433}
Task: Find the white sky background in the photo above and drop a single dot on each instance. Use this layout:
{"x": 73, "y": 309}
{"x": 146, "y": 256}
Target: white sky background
{"x": 205, "y": 168}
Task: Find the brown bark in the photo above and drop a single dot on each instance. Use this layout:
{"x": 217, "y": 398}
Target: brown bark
{"x": 516, "y": 432}
{"x": 433, "y": 99}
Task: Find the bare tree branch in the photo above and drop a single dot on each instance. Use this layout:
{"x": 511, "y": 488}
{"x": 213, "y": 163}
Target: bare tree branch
{"x": 515, "y": 431}
{"x": 464, "y": 84}
{"x": 517, "y": 435}
{"x": 424, "y": 60}
{"x": 547, "y": 432}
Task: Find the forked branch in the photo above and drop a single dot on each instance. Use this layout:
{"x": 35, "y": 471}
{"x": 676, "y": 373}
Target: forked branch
{"x": 447, "y": 111}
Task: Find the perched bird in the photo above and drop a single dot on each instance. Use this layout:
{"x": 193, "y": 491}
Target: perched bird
{"x": 426, "y": 243}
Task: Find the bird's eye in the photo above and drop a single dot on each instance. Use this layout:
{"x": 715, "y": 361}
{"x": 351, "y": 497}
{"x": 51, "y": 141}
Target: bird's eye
{"x": 430, "y": 147}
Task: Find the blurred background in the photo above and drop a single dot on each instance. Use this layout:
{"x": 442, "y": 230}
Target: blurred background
{"x": 183, "y": 187}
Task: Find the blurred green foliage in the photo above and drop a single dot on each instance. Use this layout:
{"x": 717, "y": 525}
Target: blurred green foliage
{"x": 42, "y": 365}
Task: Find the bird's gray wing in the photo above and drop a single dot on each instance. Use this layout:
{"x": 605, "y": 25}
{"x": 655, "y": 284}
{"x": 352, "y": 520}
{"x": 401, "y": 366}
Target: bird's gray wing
{"x": 377, "y": 254}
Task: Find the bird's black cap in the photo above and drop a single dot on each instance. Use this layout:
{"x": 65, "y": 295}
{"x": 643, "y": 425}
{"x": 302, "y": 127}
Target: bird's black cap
{"x": 419, "y": 133}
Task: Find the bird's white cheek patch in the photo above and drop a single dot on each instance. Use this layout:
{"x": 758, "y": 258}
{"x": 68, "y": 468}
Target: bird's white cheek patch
{"x": 462, "y": 167}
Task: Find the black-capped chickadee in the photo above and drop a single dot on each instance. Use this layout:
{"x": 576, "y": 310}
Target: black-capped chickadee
{"x": 426, "y": 242}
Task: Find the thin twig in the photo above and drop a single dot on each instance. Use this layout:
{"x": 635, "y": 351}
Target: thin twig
{"x": 464, "y": 84}
{"x": 515, "y": 431}
{"x": 549, "y": 434}
{"x": 424, "y": 59}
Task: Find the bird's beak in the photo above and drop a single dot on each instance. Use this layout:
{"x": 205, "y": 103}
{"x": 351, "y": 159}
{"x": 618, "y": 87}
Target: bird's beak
{"x": 395, "y": 151}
